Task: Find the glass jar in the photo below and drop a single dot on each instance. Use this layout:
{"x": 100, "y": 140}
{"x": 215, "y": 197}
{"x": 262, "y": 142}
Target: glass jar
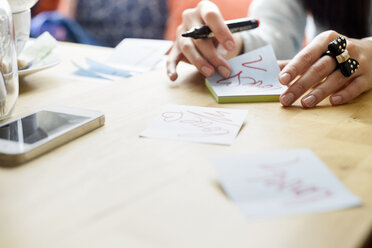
{"x": 21, "y": 10}
{"x": 8, "y": 62}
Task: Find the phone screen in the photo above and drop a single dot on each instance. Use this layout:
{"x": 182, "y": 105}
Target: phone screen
{"x": 38, "y": 126}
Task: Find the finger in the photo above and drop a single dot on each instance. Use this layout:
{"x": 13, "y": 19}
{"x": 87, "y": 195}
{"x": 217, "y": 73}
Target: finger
{"x": 192, "y": 54}
{"x": 316, "y": 73}
{"x": 212, "y": 17}
{"x": 174, "y": 57}
{"x": 209, "y": 51}
{"x": 333, "y": 83}
{"x": 283, "y": 63}
{"x": 354, "y": 89}
{"x": 305, "y": 58}
{"x": 205, "y": 47}
{"x": 195, "y": 51}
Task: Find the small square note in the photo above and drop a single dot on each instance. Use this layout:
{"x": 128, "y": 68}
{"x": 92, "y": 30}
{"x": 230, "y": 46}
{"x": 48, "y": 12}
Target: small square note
{"x": 197, "y": 124}
{"x": 254, "y": 78}
{"x": 282, "y": 183}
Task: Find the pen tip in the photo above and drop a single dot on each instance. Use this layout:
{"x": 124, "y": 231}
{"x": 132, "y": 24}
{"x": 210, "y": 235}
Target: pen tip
{"x": 258, "y": 23}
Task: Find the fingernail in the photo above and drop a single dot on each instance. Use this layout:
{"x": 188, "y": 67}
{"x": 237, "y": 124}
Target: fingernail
{"x": 230, "y": 45}
{"x": 336, "y": 100}
{"x": 287, "y": 99}
{"x": 221, "y": 50}
{"x": 309, "y": 101}
{"x": 172, "y": 76}
{"x": 224, "y": 72}
{"x": 208, "y": 72}
{"x": 285, "y": 78}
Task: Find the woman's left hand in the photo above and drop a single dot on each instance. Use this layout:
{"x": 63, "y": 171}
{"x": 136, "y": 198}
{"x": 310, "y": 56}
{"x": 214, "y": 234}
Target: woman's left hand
{"x": 318, "y": 72}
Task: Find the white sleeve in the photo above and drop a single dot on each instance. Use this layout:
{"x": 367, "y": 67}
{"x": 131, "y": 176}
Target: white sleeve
{"x": 282, "y": 24}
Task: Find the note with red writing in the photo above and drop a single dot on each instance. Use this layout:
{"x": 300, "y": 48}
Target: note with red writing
{"x": 282, "y": 183}
{"x": 198, "y": 124}
{"x": 254, "y": 78}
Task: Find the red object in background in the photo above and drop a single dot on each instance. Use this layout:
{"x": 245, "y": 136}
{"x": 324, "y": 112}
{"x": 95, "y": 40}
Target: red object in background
{"x": 230, "y": 9}
{"x": 45, "y": 5}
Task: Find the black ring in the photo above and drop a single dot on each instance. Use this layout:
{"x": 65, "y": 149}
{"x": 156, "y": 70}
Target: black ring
{"x": 337, "y": 50}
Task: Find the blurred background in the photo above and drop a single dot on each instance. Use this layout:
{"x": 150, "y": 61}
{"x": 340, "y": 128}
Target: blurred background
{"x": 107, "y": 22}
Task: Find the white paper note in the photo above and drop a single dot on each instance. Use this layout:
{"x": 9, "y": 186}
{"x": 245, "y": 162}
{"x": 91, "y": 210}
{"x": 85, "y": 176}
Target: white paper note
{"x": 253, "y": 74}
{"x": 198, "y": 124}
{"x": 282, "y": 183}
{"x": 138, "y": 55}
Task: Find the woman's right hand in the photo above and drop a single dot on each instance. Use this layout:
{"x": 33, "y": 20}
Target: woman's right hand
{"x": 205, "y": 54}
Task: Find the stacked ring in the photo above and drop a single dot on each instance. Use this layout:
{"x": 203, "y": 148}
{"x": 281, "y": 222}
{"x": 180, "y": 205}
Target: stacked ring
{"x": 337, "y": 50}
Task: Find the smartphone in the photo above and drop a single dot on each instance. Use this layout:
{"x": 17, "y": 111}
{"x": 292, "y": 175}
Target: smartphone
{"x": 28, "y": 137}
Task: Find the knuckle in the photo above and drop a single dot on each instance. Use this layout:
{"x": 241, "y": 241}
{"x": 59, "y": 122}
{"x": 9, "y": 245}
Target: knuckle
{"x": 199, "y": 62}
{"x": 348, "y": 95}
{"x": 320, "y": 93}
{"x": 291, "y": 70}
{"x": 363, "y": 61}
{"x": 307, "y": 57}
{"x": 320, "y": 70}
{"x": 186, "y": 14}
{"x": 179, "y": 29}
{"x": 330, "y": 35}
{"x": 215, "y": 59}
{"x": 211, "y": 16}
{"x": 300, "y": 88}
{"x": 201, "y": 4}
{"x": 360, "y": 87}
{"x": 187, "y": 47}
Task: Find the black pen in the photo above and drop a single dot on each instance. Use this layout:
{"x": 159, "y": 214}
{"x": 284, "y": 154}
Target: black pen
{"x": 234, "y": 26}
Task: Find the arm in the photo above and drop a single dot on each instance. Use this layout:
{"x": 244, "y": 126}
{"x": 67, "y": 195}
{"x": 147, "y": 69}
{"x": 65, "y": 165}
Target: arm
{"x": 282, "y": 24}
{"x": 68, "y": 7}
{"x": 205, "y": 54}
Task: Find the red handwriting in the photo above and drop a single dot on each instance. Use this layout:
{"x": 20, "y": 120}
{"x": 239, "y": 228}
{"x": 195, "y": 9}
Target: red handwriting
{"x": 278, "y": 178}
{"x": 239, "y": 80}
{"x": 209, "y": 123}
{"x": 247, "y": 64}
{"x": 172, "y": 116}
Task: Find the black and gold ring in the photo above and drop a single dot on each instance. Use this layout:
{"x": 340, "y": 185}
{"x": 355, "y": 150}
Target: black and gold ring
{"x": 337, "y": 50}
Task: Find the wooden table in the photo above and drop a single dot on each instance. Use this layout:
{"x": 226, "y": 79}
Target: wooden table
{"x": 111, "y": 188}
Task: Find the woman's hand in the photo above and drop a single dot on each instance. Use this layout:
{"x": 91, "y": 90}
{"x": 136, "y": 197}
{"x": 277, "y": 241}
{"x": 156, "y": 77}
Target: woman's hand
{"x": 319, "y": 72}
{"x": 204, "y": 53}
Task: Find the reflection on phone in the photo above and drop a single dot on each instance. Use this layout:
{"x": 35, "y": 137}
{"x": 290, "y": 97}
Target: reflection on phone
{"x": 38, "y": 126}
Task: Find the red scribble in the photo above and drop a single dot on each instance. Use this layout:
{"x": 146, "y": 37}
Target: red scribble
{"x": 172, "y": 116}
{"x": 208, "y": 122}
{"x": 229, "y": 81}
{"x": 247, "y": 64}
{"x": 218, "y": 116}
{"x": 279, "y": 179}
{"x": 237, "y": 80}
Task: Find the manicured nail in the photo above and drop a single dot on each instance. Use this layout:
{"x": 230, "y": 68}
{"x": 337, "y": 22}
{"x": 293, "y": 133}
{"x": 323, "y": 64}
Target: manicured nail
{"x": 285, "y": 78}
{"x": 309, "y": 101}
{"x": 224, "y": 72}
{"x": 208, "y": 72}
{"x": 336, "y": 100}
{"x": 287, "y": 99}
{"x": 230, "y": 45}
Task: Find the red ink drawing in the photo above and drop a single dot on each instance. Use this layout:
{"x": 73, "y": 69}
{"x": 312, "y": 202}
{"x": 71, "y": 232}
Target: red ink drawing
{"x": 172, "y": 116}
{"x": 247, "y": 64}
{"x": 209, "y": 123}
{"x": 279, "y": 179}
{"x": 238, "y": 79}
